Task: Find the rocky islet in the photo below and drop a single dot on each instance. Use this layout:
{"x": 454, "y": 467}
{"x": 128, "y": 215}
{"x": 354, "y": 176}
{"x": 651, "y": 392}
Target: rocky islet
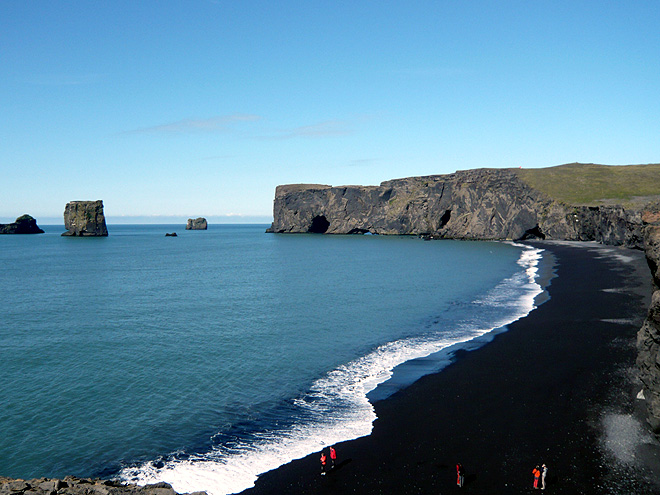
{"x": 85, "y": 219}
{"x": 197, "y": 224}
{"x": 24, "y": 224}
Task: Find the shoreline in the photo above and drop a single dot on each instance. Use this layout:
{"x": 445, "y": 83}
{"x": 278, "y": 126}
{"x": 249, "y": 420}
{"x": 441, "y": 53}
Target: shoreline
{"x": 547, "y": 390}
{"x": 349, "y": 411}
{"x": 405, "y": 374}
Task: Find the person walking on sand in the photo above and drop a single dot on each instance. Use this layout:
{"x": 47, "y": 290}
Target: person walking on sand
{"x": 333, "y": 457}
{"x": 323, "y": 459}
{"x": 544, "y": 472}
{"x": 537, "y": 473}
{"x": 460, "y": 475}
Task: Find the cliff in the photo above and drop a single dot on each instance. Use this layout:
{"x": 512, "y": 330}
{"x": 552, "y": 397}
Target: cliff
{"x": 196, "y": 224}
{"x": 85, "y": 218}
{"x": 24, "y": 224}
{"x": 472, "y": 204}
{"x": 648, "y": 337}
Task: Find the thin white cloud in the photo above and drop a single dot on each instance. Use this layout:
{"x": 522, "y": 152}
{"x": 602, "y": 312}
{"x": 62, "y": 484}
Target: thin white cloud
{"x": 326, "y": 128}
{"x": 217, "y": 157}
{"x": 65, "y": 79}
{"x": 433, "y": 72}
{"x": 362, "y": 162}
{"x": 214, "y": 124}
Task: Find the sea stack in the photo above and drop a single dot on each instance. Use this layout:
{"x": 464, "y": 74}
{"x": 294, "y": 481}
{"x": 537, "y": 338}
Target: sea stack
{"x": 85, "y": 219}
{"x": 197, "y": 224}
{"x": 24, "y": 224}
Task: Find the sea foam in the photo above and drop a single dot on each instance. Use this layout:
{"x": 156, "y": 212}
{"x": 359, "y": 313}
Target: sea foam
{"x": 336, "y": 408}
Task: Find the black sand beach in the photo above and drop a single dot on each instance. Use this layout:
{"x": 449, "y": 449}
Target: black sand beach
{"x": 557, "y": 388}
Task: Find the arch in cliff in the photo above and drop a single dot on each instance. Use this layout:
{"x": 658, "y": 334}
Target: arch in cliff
{"x": 533, "y": 233}
{"x": 444, "y": 219}
{"x": 319, "y": 225}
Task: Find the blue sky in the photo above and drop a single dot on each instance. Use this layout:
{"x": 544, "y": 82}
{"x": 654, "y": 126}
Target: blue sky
{"x": 173, "y": 109}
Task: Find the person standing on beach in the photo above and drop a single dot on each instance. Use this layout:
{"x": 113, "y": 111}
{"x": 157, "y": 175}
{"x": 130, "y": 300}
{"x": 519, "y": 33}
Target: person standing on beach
{"x": 537, "y": 473}
{"x": 460, "y": 474}
{"x": 323, "y": 459}
{"x": 544, "y": 472}
{"x": 333, "y": 457}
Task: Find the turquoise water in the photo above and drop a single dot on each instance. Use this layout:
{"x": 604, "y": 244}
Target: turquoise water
{"x": 206, "y": 358}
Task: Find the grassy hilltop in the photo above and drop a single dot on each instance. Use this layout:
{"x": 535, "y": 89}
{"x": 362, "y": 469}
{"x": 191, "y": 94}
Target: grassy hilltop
{"x": 593, "y": 185}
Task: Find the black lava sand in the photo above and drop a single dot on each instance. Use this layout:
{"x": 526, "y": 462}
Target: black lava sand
{"x": 558, "y": 388}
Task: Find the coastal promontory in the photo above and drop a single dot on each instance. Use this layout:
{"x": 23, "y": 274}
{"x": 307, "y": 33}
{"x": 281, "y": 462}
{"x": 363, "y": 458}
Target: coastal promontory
{"x": 24, "y": 224}
{"x": 480, "y": 204}
{"x": 85, "y": 219}
{"x": 197, "y": 224}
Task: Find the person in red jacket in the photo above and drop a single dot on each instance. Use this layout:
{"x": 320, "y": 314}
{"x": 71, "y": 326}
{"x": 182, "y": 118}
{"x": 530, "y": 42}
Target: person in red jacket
{"x": 333, "y": 457}
{"x": 323, "y": 459}
{"x": 460, "y": 475}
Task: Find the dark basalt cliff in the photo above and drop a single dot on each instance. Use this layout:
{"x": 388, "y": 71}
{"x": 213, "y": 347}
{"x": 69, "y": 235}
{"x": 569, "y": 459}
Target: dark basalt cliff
{"x": 648, "y": 337}
{"x": 472, "y": 204}
{"x": 24, "y": 224}
{"x": 85, "y": 218}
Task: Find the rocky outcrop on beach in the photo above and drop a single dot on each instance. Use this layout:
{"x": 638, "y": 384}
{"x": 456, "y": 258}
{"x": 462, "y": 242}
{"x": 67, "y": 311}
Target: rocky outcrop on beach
{"x": 77, "y": 486}
{"x": 648, "y": 337}
{"x": 85, "y": 218}
{"x": 24, "y": 224}
{"x": 472, "y": 204}
{"x": 197, "y": 224}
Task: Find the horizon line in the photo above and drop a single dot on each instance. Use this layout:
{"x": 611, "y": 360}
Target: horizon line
{"x": 154, "y": 219}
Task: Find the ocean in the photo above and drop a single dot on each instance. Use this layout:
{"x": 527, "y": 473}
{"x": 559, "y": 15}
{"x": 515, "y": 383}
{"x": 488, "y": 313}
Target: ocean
{"x": 208, "y": 358}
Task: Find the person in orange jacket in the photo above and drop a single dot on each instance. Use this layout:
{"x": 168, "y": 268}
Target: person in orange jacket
{"x": 323, "y": 459}
{"x": 537, "y": 474}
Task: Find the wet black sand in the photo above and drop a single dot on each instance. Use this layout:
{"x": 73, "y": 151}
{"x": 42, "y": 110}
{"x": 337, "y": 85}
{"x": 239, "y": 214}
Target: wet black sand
{"x": 540, "y": 392}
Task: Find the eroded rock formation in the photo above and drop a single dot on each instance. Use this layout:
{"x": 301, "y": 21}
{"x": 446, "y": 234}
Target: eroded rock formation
{"x": 85, "y": 218}
{"x": 197, "y": 224}
{"x": 472, "y": 204}
{"x": 24, "y": 224}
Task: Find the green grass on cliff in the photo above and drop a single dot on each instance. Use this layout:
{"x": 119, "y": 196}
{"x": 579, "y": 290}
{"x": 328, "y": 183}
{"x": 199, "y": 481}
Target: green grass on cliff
{"x": 593, "y": 185}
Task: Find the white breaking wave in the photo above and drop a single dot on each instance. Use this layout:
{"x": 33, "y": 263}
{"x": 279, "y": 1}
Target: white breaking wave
{"x": 337, "y": 409}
